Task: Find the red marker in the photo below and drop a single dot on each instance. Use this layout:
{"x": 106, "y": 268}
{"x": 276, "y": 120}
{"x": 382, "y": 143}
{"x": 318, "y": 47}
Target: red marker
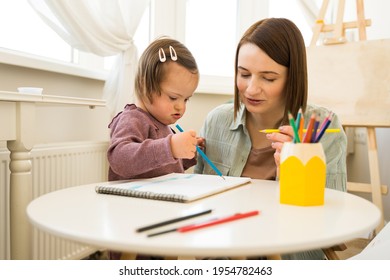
{"x": 218, "y": 221}
{"x": 209, "y": 223}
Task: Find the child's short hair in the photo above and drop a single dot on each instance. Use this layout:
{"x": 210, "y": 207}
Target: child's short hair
{"x": 151, "y": 65}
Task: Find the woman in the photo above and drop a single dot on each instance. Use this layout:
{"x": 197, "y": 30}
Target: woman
{"x": 270, "y": 81}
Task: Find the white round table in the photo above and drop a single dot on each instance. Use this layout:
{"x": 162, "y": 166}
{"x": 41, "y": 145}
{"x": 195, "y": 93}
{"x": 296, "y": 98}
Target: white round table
{"x": 110, "y": 221}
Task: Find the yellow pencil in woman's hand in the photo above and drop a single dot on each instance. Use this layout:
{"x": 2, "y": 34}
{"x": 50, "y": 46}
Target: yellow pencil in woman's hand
{"x": 272, "y": 130}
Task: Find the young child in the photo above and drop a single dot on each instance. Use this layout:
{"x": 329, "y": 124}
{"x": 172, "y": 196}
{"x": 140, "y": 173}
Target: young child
{"x": 142, "y": 143}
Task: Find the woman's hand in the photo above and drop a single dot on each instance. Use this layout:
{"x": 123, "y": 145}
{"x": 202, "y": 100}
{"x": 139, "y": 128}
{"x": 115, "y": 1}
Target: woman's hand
{"x": 286, "y": 134}
{"x": 201, "y": 142}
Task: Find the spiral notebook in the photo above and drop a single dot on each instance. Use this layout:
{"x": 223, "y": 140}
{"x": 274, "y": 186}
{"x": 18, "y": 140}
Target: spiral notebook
{"x": 177, "y": 187}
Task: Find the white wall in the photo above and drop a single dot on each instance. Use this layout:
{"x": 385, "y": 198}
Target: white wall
{"x": 60, "y": 123}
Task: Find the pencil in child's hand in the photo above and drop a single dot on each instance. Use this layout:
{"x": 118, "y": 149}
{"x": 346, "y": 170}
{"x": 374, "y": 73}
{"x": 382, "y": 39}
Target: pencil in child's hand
{"x": 203, "y": 155}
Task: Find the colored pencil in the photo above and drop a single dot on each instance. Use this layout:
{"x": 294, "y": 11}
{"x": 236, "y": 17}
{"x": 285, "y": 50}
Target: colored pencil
{"x": 301, "y": 125}
{"x": 292, "y": 123}
{"x": 309, "y": 131}
{"x": 175, "y": 220}
{"x": 203, "y": 155}
{"x": 325, "y": 121}
{"x": 276, "y": 130}
{"x": 208, "y": 223}
{"x": 313, "y": 134}
{"x": 298, "y": 119}
{"x": 323, "y": 128}
{"x": 315, "y": 130}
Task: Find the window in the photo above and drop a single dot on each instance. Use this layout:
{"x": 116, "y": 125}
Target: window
{"x": 292, "y": 11}
{"x": 212, "y": 38}
{"x": 32, "y": 38}
{"x": 32, "y": 43}
{"x": 23, "y": 30}
{"x": 211, "y": 31}
{"x": 209, "y": 28}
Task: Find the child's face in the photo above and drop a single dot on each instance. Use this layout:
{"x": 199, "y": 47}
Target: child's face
{"x": 177, "y": 87}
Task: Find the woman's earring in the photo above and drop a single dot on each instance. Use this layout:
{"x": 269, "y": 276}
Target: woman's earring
{"x": 173, "y": 53}
{"x": 161, "y": 55}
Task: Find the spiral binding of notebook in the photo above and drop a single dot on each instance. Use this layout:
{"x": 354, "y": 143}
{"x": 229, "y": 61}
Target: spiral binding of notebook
{"x": 140, "y": 194}
{"x": 176, "y": 187}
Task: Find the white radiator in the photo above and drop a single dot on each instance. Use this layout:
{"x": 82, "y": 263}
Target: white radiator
{"x": 54, "y": 167}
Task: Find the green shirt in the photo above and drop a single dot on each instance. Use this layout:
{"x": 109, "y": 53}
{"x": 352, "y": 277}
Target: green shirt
{"x": 228, "y": 144}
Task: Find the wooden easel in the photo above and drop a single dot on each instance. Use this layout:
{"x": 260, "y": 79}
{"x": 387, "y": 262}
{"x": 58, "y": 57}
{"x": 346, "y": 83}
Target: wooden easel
{"x": 338, "y": 29}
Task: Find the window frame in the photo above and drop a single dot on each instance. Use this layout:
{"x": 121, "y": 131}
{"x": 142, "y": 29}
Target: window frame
{"x": 166, "y": 18}
{"x": 22, "y": 59}
{"x": 173, "y": 13}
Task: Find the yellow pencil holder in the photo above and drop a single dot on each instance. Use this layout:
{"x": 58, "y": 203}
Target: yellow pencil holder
{"x": 302, "y": 174}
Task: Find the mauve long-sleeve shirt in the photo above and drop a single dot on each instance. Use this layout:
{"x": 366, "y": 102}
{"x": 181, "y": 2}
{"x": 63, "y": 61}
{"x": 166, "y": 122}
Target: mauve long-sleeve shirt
{"x": 140, "y": 147}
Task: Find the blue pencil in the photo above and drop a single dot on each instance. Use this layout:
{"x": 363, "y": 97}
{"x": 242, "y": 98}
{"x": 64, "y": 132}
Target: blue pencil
{"x": 314, "y": 135}
{"x": 299, "y": 123}
{"x": 323, "y": 128}
{"x": 204, "y": 156}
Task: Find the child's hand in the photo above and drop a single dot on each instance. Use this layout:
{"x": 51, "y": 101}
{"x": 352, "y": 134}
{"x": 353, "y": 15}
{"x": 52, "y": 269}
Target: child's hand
{"x": 286, "y": 134}
{"x": 183, "y": 145}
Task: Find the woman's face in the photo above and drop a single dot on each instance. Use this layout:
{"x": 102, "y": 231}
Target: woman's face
{"x": 260, "y": 81}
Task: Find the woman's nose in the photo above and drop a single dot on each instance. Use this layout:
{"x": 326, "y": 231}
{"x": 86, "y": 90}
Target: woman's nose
{"x": 253, "y": 87}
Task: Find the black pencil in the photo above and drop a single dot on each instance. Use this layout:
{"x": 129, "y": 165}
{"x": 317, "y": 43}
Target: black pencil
{"x": 167, "y": 222}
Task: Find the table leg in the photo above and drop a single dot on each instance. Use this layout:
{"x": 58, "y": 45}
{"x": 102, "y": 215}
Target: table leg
{"x": 128, "y": 256}
{"x": 21, "y": 184}
{"x": 20, "y": 197}
{"x": 185, "y": 258}
{"x": 274, "y": 257}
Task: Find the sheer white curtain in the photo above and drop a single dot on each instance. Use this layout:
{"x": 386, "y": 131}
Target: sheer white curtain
{"x": 102, "y": 27}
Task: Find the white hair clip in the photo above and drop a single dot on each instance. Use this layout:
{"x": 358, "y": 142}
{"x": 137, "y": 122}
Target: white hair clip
{"x": 161, "y": 55}
{"x": 173, "y": 53}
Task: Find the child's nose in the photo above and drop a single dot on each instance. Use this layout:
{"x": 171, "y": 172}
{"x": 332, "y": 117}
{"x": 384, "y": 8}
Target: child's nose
{"x": 179, "y": 106}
